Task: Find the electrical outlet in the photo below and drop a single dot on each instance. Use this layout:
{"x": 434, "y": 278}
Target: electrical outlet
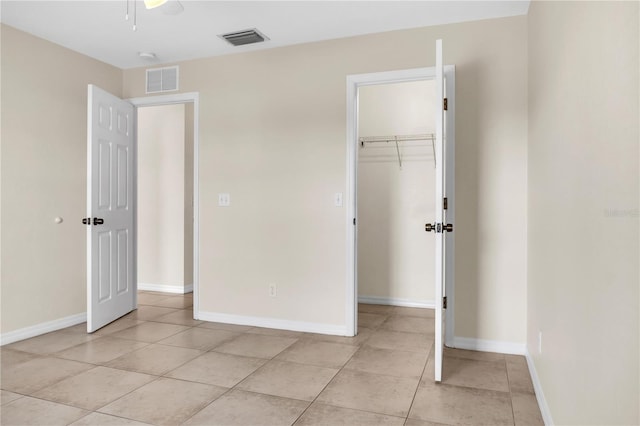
{"x": 224, "y": 200}
{"x": 273, "y": 290}
{"x": 539, "y": 342}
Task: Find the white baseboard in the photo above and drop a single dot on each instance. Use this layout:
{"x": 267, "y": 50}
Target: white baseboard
{"x": 407, "y": 303}
{"x": 42, "y": 328}
{"x": 163, "y": 288}
{"x": 489, "y": 345}
{"x": 537, "y": 386}
{"x": 307, "y": 327}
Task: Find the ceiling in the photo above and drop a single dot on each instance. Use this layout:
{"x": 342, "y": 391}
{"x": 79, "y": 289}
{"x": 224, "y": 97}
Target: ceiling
{"x": 98, "y": 28}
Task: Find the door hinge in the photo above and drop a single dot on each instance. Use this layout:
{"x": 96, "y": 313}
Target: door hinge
{"x": 444, "y": 302}
{"x": 444, "y": 203}
{"x": 354, "y": 220}
{"x": 445, "y": 104}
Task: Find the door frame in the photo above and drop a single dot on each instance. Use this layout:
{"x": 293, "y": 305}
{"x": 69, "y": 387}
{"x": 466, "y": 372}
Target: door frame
{"x": 354, "y": 82}
{"x": 178, "y": 98}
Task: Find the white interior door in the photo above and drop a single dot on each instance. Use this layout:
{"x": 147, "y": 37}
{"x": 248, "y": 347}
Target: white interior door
{"x": 111, "y": 289}
{"x": 440, "y": 226}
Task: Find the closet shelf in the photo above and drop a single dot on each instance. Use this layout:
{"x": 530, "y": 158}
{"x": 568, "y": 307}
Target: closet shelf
{"x": 397, "y": 139}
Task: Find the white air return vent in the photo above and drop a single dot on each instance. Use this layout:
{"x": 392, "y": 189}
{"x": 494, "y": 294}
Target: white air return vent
{"x": 240, "y": 38}
{"x": 162, "y": 80}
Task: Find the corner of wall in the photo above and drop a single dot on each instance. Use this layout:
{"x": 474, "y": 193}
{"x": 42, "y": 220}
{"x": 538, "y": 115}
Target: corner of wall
{"x": 537, "y": 387}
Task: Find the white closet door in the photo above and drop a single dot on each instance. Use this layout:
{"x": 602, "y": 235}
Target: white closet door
{"x": 440, "y": 225}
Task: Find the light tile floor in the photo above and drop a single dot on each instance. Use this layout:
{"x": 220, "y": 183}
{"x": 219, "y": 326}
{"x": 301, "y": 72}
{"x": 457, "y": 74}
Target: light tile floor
{"x": 159, "y": 366}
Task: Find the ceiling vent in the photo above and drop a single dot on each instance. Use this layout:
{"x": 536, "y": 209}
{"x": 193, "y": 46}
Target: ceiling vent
{"x": 240, "y": 38}
{"x": 162, "y": 79}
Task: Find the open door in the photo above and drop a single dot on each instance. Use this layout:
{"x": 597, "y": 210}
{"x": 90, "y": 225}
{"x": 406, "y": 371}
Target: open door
{"x": 440, "y": 226}
{"x": 111, "y": 289}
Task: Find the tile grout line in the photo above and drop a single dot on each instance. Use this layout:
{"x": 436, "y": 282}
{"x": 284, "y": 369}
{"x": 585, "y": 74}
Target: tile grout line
{"x": 506, "y": 369}
{"x": 419, "y": 381}
{"x": 53, "y": 402}
{"x": 232, "y": 388}
{"x": 235, "y": 387}
{"x": 57, "y": 381}
{"x": 97, "y": 410}
{"x": 360, "y": 347}
{"x": 298, "y": 339}
{"x": 326, "y": 386}
{"x": 93, "y": 367}
{"x": 156, "y": 377}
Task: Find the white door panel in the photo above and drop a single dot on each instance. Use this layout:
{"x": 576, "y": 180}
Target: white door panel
{"x": 440, "y": 215}
{"x": 111, "y": 289}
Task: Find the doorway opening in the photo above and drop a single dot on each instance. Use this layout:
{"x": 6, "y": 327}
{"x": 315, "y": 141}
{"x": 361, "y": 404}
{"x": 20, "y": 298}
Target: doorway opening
{"x": 391, "y": 182}
{"x": 165, "y": 209}
{"x": 167, "y": 254}
{"x": 396, "y": 189}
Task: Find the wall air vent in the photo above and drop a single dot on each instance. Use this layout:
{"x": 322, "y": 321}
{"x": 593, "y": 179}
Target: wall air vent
{"x": 240, "y": 38}
{"x": 162, "y": 79}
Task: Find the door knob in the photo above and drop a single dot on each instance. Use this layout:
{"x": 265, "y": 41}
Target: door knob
{"x": 98, "y": 221}
{"x": 438, "y": 227}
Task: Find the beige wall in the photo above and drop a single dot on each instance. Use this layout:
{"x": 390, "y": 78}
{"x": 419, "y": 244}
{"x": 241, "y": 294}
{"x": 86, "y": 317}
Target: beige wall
{"x": 161, "y": 195}
{"x": 272, "y": 135}
{"x": 583, "y": 185}
{"x": 395, "y": 255}
{"x": 397, "y": 109}
{"x": 44, "y": 139}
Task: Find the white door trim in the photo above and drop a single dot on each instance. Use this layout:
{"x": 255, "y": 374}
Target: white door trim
{"x": 182, "y": 98}
{"x": 354, "y": 82}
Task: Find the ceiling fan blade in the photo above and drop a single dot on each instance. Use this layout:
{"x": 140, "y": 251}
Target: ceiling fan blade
{"x": 173, "y": 7}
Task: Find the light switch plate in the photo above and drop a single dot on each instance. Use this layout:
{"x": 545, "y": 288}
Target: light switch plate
{"x": 337, "y": 199}
{"x": 224, "y": 200}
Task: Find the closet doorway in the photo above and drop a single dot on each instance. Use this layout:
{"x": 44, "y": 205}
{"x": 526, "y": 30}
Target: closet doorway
{"x": 396, "y": 190}
{"x": 391, "y": 119}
